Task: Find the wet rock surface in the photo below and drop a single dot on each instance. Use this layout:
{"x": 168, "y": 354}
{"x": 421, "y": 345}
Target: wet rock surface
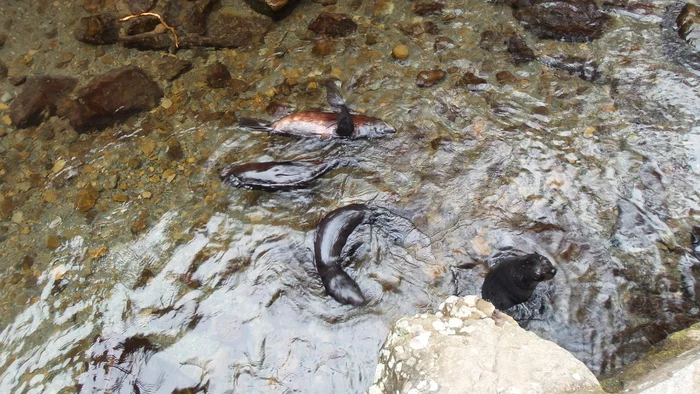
{"x": 170, "y": 67}
{"x": 469, "y": 347}
{"x": 139, "y": 6}
{"x": 188, "y": 16}
{"x": 569, "y": 20}
{"x": 112, "y": 96}
{"x": 39, "y": 94}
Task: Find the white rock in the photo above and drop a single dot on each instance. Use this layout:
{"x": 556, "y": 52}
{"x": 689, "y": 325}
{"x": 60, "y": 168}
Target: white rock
{"x": 455, "y": 322}
{"x": 471, "y": 300}
{"x": 420, "y": 341}
{"x": 438, "y": 325}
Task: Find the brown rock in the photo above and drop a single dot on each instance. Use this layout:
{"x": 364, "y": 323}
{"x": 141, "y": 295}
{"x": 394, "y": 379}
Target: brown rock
{"x": 175, "y": 150}
{"x": 120, "y": 198}
{"x": 489, "y": 39}
{"x": 150, "y": 41}
{"x": 188, "y": 16}
{"x": 323, "y": 46}
{"x": 469, "y": 79}
{"x": 333, "y": 24}
{"x": 233, "y": 29}
{"x": 442, "y": 43}
{"x": 144, "y": 24}
{"x": 170, "y": 67}
{"x": 504, "y": 77}
{"x": 238, "y": 86}
{"x": 427, "y": 7}
{"x": 16, "y": 77}
{"x": 429, "y": 78}
{"x": 112, "y": 96}
{"x": 568, "y": 20}
{"x": 217, "y": 75}
{"x": 139, "y": 6}
{"x": 39, "y": 94}
{"x": 519, "y": 50}
{"x": 138, "y": 226}
{"x": 63, "y": 59}
{"x": 98, "y": 29}
{"x": 275, "y": 5}
{"x": 86, "y": 199}
{"x": 3, "y": 70}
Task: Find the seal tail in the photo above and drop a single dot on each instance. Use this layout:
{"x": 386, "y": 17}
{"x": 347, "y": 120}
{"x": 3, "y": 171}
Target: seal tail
{"x": 343, "y": 288}
{"x": 255, "y": 124}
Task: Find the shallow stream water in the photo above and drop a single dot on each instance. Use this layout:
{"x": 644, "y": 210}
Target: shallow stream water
{"x": 195, "y": 285}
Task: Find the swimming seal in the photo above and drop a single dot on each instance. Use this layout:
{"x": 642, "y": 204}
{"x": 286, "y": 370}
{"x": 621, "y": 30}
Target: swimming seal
{"x": 331, "y": 237}
{"x": 514, "y": 279}
{"x": 340, "y": 123}
{"x": 277, "y": 175}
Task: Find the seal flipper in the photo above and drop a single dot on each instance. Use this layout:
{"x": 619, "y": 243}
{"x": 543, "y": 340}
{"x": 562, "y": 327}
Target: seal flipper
{"x": 343, "y": 288}
{"x": 255, "y": 124}
{"x": 345, "y": 125}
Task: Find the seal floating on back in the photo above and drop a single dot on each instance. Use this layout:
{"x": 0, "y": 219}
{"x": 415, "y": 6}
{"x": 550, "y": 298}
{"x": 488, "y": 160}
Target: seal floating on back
{"x": 514, "y": 279}
{"x": 277, "y": 175}
{"x": 340, "y": 123}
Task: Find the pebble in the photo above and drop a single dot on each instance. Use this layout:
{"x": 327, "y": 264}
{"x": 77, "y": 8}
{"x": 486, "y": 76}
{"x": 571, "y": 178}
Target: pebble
{"x": 18, "y": 217}
{"x": 58, "y": 166}
{"x": 167, "y": 103}
{"x": 429, "y": 78}
{"x": 455, "y": 322}
{"x": 146, "y": 195}
{"x": 7, "y": 97}
{"x": 6, "y": 120}
{"x": 86, "y": 199}
{"x": 400, "y": 52}
{"x": 53, "y": 242}
{"x": 120, "y": 198}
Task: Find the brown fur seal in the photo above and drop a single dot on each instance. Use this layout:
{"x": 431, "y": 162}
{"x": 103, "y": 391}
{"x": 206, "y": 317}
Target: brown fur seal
{"x": 324, "y": 124}
{"x": 277, "y": 175}
{"x": 514, "y": 279}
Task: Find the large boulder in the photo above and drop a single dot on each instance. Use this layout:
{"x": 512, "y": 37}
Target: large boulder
{"x": 469, "y": 347}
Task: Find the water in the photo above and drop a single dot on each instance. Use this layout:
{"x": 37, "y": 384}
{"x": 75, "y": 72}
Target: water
{"x": 218, "y": 291}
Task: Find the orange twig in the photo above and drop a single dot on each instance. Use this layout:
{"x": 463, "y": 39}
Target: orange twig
{"x": 162, "y": 22}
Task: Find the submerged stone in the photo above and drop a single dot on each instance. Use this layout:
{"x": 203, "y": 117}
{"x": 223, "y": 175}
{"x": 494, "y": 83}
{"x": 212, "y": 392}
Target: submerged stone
{"x": 39, "y": 94}
{"x": 519, "y": 51}
{"x": 188, "y": 16}
{"x": 235, "y": 30}
{"x": 333, "y": 24}
{"x": 98, "y": 29}
{"x": 113, "y": 96}
{"x": 170, "y": 67}
{"x": 567, "y": 20}
{"x": 139, "y": 6}
{"x": 429, "y": 78}
{"x": 218, "y": 75}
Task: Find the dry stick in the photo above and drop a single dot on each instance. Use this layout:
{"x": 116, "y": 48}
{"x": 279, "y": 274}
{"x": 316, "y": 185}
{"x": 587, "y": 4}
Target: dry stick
{"x": 162, "y": 22}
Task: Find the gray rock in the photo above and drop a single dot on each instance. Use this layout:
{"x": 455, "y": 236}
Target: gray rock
{"x": 461, "y": 349}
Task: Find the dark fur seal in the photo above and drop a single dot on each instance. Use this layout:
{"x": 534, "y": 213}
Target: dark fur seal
{"x": 340, "y": 123}
{"x": 331, "y": 237}
{"x": 277, "y": 175}
{"x": 514, "y": 279}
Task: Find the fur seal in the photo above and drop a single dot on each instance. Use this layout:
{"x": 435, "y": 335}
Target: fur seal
{"x": 514, "y": 279}
{"x": 331, "y": 237}
{"x": 340, "y": 123}
{"x": 277, "y": 175}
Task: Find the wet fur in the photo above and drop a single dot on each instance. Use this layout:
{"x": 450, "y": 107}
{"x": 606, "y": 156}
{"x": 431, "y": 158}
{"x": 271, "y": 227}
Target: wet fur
{"x": 514, "y": 279}
{"x": 331, "y": 237}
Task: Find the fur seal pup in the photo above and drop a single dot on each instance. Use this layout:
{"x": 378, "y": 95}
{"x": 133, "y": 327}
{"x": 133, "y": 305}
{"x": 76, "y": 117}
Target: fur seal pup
{"x": 277, "y": 175}
{"x": 514, "y": 279}
{"x": 331, "y": 237}
{"x": 340, "y": 123}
